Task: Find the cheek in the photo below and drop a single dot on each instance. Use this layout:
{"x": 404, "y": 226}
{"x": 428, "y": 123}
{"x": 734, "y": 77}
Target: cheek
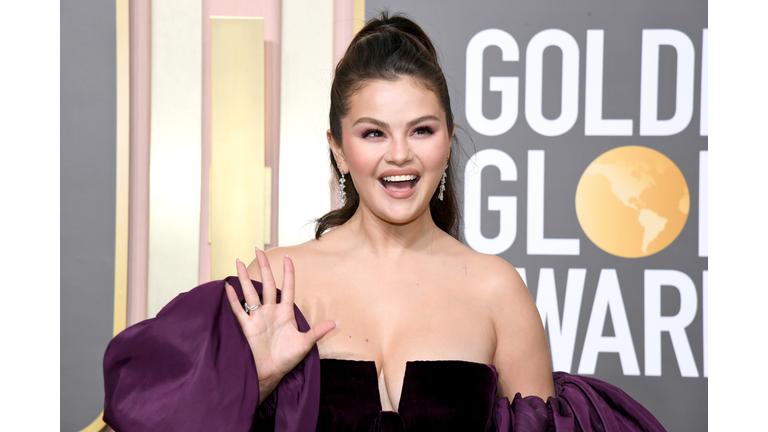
{"x": 437, "y": 158}
{"x": 360, "y": 161}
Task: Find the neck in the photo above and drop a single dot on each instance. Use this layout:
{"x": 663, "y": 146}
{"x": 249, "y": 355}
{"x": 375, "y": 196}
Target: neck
{"x": 387, "y": 240}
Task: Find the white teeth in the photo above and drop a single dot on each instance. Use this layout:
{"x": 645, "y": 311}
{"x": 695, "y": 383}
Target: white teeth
{"x": 399, "y": 178}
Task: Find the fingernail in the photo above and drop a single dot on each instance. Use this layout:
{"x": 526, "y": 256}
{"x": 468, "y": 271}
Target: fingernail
{"x": 338, "y": 323}
{"x": 237, "y": 260}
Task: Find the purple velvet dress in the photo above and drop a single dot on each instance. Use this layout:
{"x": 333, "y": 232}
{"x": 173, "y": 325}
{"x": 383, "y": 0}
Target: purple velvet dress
{"x": 191, "y": 369}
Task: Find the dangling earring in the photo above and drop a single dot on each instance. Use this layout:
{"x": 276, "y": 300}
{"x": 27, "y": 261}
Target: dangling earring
{"x": 442, "y": 183}
{"x": 342, "y": 194}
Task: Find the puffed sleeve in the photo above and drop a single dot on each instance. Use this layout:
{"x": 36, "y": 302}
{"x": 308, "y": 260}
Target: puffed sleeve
{"x": 582, "y": 404}
{"x": 191, "y": 369}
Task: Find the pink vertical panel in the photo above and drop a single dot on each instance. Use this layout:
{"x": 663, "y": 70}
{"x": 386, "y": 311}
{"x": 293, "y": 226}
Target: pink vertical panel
{"x": 273, "y": 18}
{"x": 138, "y": 219}
{"x": 271, "y": 11}
{"x": 343, "y": 32}
{"x": 343, "y": 27}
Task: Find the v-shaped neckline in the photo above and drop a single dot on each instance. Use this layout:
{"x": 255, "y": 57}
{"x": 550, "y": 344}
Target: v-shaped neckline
{"x": 408, "y": 366}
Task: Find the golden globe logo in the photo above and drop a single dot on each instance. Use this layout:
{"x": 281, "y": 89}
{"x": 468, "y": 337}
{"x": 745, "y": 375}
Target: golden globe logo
{"x": 632, "y": 201}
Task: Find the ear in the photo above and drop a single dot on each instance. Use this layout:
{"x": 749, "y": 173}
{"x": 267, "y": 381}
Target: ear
{"x": 450, "y": 142}
{"x": 338, "y": 152}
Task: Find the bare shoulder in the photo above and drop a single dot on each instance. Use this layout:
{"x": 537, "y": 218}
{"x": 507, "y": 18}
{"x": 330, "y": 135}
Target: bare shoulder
{"x": 276, "y": 257}
{"x": 495, "y": 277}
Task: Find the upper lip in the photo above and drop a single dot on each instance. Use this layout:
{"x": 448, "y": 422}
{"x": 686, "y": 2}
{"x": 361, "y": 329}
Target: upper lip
{"x": 400, "y": 171}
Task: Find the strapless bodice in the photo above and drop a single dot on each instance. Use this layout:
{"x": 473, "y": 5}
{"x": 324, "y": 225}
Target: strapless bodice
{"x": 191, "y": 369}
{"x": 447, "y": 395}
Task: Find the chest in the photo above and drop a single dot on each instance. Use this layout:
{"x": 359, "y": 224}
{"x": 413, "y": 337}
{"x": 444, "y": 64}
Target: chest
{"x": 390, "y": 316}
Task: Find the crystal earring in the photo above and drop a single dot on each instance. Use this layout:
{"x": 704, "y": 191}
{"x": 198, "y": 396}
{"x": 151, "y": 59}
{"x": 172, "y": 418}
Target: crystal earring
{"x": 342, "y": 194}
{"x": 442, "y": 183}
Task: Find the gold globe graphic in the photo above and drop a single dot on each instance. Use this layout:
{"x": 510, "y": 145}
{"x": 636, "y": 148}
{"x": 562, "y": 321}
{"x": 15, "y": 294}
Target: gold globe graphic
{"x": 632, "y": 201}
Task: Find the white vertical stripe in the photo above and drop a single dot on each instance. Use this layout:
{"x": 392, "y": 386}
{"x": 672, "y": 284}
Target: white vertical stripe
{"x": 174, "y": 203}
{"x": 307, "y": 54}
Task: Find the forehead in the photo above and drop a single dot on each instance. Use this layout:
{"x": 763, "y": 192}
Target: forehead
{"x": 390, "y": 100}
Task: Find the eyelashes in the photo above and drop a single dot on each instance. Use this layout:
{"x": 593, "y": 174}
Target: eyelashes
{"x": 423, "y": 130}
{"x": 373, "y": 133}
{"x": 376, "y": 133}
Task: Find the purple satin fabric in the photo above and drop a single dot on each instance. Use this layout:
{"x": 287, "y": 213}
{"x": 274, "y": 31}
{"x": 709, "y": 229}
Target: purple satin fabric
{"x": 582, "y": 404}
{"x": 191, "y": 369}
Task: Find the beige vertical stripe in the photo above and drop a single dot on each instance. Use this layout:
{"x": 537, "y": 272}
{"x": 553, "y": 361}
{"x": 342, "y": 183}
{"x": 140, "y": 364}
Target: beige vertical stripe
{"x": 237, "y": 201}
{"x": 359, "y": 15}
{"x": 306, "y": 70}
{"x": 123, "y": 163}
{"x": 174, "y": 203}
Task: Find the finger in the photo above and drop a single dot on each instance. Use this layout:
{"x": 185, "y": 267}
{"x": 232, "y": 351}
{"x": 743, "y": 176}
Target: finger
{"x": 234, "y": 302}
{"x": 249, "y": 292}
{"x": 318, "y": 331}
{"x": 289, "y": 278}
{"x": 268, "y": 288}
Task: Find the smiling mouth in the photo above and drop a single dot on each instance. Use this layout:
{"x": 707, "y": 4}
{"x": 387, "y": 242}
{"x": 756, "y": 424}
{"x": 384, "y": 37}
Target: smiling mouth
{"x": 399, "y": 182}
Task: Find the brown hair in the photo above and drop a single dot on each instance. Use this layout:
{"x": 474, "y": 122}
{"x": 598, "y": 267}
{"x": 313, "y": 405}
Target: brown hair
{"x": 389, "y": 48}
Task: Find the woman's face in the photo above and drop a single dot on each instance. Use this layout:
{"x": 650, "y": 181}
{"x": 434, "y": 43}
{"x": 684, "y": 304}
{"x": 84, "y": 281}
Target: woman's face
{"x": 396, "y": 146}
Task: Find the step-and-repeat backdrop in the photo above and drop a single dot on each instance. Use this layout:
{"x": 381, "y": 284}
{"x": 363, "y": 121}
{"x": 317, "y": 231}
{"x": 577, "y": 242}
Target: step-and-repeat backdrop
{"x": 584, "y": 128}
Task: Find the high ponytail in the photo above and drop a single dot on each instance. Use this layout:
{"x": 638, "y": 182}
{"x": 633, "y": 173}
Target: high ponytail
{"x": 389, "y": 48}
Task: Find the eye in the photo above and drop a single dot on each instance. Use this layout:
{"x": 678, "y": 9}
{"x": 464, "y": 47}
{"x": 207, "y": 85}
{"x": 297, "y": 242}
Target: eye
{"x": 373, "y": 133}
{"x": 423, "y": 130}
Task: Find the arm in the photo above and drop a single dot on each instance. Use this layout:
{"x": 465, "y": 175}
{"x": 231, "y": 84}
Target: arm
{"x": 270, "y": 328}
{"x": 523, "y": 363}
{"x": 522, "y": 356}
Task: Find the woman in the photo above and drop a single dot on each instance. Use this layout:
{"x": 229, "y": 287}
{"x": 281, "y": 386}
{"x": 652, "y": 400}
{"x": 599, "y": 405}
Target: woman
{"x": 414, "y": 329}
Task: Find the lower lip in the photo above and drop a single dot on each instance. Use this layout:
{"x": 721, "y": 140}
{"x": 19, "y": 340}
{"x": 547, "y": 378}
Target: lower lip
{"x": 400, "y": 194}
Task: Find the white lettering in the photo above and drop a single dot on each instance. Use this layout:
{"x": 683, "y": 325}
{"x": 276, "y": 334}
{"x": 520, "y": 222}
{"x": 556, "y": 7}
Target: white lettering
{"x": 705, "y": 318}
{"x": 594, "y": 124}
{"x": 505, "y": 205}
{"x": 608, "y": 296}
{"x": 704, "y": 103}
{"x": 675, "y": 325}
{"x": 536, "y": 243}
{"x": 508, "y": 86}
{"x": 562, "y": 338}
{"x": 703, "y": 203}
{"x": 649, "y": 82}
{"x": 534, "y": 77}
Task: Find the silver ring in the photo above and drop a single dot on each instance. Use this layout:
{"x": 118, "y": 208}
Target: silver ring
{"x": 250, "y": 308}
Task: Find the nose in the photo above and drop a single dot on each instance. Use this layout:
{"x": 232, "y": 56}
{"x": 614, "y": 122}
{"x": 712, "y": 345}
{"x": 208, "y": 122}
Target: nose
{"x": 399, "y": 151}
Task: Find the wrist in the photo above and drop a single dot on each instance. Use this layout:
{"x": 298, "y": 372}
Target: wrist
{"x": 266, "y": 387}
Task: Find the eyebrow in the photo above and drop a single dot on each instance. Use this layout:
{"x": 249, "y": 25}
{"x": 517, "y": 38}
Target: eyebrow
{"x": 385, "y": 125}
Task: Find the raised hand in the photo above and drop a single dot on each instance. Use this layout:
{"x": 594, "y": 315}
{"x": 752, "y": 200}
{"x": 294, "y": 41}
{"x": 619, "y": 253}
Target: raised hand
{"x": 270, "y": 328}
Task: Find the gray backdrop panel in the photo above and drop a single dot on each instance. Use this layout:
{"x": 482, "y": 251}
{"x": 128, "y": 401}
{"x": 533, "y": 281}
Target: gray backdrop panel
{"x": 88, "y": 79}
